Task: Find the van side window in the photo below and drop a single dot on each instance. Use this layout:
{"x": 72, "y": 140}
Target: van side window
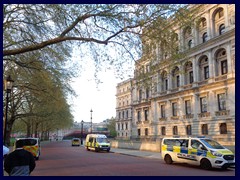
{"x": 195, "y": 144}
{"x": 184, "y": 143}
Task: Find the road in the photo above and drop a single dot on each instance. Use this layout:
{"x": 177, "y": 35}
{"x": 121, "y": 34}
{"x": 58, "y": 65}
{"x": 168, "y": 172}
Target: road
{"x": 61, "y": 159}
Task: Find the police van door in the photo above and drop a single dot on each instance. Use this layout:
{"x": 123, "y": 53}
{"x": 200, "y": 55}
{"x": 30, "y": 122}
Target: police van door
{"x": 197, "y": 150}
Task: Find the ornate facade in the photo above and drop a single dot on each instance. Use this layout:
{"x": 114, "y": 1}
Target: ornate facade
{"x": 195, "y": 95}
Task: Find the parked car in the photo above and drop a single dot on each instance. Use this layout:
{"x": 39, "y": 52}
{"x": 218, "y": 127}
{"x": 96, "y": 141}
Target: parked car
{"x": 75, "y": 142}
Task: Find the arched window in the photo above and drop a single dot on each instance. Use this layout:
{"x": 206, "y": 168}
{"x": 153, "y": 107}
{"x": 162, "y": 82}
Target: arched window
{"x": 221, "y": 63}
{"x": 188, "y": 73}
{"x": 221, "y": 29}
{"x": 189, "y": 44}
{"x": 204, "y": 37}
{"x": 187, "y": 35}
{"x": 164, "y": 81}
{"x": 218, "y": 20}
{"x": 204, "y": 68}
{"x": 176, "y": 77}
{"x": 140, "y": 95}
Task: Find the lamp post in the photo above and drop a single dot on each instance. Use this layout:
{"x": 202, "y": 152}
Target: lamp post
{"x": 91, "y": 119}
{"x": 8, "y": 88}
{"x": 82, "y": 132}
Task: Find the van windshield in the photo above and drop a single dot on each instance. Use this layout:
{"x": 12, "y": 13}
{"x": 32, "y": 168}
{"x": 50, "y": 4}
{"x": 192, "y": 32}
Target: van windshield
{"x": 212, "y": 144}
{"x": 102, "y": 140}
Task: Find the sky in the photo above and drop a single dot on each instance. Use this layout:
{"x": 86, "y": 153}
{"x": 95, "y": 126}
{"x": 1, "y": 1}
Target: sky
{"x": 101, "y": 98}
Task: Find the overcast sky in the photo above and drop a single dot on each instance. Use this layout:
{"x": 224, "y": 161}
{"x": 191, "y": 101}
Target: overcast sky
{"x": 101, "y": 98}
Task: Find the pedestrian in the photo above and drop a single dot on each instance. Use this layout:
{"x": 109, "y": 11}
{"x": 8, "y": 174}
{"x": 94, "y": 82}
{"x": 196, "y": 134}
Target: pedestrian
{"x": 5, "y": 151}
{"x": 19, "y": 162}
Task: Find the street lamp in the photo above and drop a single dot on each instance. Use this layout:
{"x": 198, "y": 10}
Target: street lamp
{"x": 8, "y": 83}
{"x": 91, "y": 119}
{"x": 82, "y": 132}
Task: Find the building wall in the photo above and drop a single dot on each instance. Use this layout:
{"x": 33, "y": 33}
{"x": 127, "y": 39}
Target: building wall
{"x": 200, "y": 90}
{"x": 124, "y": 109}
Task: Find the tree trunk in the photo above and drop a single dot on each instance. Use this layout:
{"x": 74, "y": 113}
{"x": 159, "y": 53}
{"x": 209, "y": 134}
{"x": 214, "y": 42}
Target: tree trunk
{"x": 28, "y": 130}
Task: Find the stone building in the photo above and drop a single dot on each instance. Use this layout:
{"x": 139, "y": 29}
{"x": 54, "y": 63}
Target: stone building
{"x": 194, "y": 95}
{"x": 124, "y": 109}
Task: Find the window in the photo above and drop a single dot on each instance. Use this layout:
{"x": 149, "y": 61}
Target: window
{"x": 224, "y": 67}
{"x": 164, "y": 81}
{"x": 204, "y": 68}
{"x": 147, "y": 93}
{"x": 221, "y": 29}
{"x": 174, "y": 109}
{"x": 189, "y": 44}
{"x": 166, "y": 84}
{"x": 122, "y": 126}
{"x": 139, "y": 132}
{"x": 204, "y": 129}
{"x": 155, "y": 87}
{"x": 221, "y": 101}
{"x": 127, "y": 114}
{"x": 188, "y": 130}
{"x": 188, "y": 73}
{"x": 187, "y": 107}
{"x": 146, "y": 114}
{"x": 191, "y": 77}
{"x": 176, "y": 77}
{"x": 163, "y": 130}
{"x": 139, "y": 115}
{"x": 175, "y": 130}
{"x": 146, "y": 131}
{"x": 119, "y": 115}
{"x": 203, "y": 104}
{"x": 195, "y": 144}
{"x": 118, "y": 126}
{"x": 140, "y": 95}
{"x": 223, "y": 128}
{"x": 126, "y": 125}
{"x": 206, "y": 72}
{"x": 204, "y": 37}
{"x": 123, "y": 114}
{"x": 163, "y": 115}
{"x": 178, "y": 80}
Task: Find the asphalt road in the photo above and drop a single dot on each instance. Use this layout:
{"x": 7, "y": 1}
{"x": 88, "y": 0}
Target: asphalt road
{"x": 61, "y": 159}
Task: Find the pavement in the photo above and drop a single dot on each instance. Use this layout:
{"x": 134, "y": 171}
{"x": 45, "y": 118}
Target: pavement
{"x": 131, "y": 152}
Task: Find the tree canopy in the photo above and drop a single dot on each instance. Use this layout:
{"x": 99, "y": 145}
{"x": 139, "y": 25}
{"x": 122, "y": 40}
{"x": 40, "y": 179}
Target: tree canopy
{"x": 38, "y": 41}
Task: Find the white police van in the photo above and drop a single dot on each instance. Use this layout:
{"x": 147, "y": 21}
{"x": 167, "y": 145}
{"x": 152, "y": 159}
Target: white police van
{"x": 197, "y": 151}
{"x": 97, "y": 142}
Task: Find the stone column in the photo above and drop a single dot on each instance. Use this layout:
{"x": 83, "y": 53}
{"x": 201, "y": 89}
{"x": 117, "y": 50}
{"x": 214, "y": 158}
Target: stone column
{"x": 211, "y": 65}
{"x": 229, "y": 60}
{"x": 209, "y": 26}
{"x": 195, "y": 71}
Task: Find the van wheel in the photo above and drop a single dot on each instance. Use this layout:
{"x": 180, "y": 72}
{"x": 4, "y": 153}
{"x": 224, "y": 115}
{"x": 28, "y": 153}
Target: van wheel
{"x": 205, "y": 164}
{"x": 168, "y": 159}
{"x": 88, "y": 148}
